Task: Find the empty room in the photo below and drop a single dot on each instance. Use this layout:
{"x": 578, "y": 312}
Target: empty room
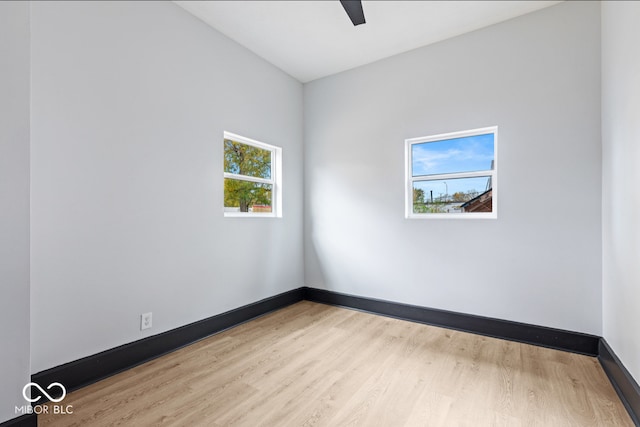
{"x": 319, "y": 213}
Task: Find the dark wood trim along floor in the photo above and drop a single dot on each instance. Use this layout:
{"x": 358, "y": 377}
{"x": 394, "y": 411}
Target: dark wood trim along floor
{"x": 575, "y": 342}
{"x": 88, "y": 370}
{"x": 312, "y": 363}
{"x": 91, "y": 369}
{"x": 558, "y": 339}
{"x": 622, "y": 381}
{"x": 30, "y": 420}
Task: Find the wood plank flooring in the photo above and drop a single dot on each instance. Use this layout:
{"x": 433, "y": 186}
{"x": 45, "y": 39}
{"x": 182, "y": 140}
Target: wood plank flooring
{"x": 315, "y": 365}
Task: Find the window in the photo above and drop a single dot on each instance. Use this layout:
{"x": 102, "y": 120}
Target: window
{"x": 252, "y": 183}
{"x": 452, "y": 175}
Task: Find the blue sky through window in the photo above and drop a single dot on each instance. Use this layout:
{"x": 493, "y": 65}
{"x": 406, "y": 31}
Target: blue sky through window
{"x": 466, "y": 154}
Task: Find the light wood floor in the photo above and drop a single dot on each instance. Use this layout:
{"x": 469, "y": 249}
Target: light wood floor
{"x": 315, "y": 365}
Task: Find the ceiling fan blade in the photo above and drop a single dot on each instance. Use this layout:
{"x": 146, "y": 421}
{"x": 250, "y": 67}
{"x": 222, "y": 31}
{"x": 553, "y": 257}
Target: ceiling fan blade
{"x": 354, "y": 10}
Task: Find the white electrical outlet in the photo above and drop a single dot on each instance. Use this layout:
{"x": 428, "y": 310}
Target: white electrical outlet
{"x": 145, "y": 321}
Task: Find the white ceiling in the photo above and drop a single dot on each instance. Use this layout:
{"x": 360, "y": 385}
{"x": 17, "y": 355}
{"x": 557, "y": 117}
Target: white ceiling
{"x": 313, "y": 39}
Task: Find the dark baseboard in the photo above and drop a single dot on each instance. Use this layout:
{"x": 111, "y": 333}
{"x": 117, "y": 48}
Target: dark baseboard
{"x": 622, "y": 381}
{"x": 30, "y": 420}
{"x": 88, "y": 370}
{"x": 531, "y": 334}
{"x": 576, "y": 342}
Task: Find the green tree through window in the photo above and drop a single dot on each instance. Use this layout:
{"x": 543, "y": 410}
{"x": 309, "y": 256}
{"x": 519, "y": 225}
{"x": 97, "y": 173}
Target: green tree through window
{"x": 246, "y": 161}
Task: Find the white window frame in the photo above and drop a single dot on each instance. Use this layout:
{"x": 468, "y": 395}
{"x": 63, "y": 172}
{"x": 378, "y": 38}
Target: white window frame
{"x": 410, "y": 179}
{"x": 275, "y": 181}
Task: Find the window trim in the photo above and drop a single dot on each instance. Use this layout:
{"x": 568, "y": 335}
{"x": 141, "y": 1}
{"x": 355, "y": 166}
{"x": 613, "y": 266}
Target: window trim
{"x": 275, "y": 181}
{"x": 410, "y": 179}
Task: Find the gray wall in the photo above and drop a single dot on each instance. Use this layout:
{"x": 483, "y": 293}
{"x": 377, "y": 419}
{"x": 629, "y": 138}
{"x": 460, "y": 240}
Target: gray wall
{"x": 129, "y": 104}
{"x": 14, "y": 205}
{"x": 538, "y": 78}
{"x": 621, "y": 180}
